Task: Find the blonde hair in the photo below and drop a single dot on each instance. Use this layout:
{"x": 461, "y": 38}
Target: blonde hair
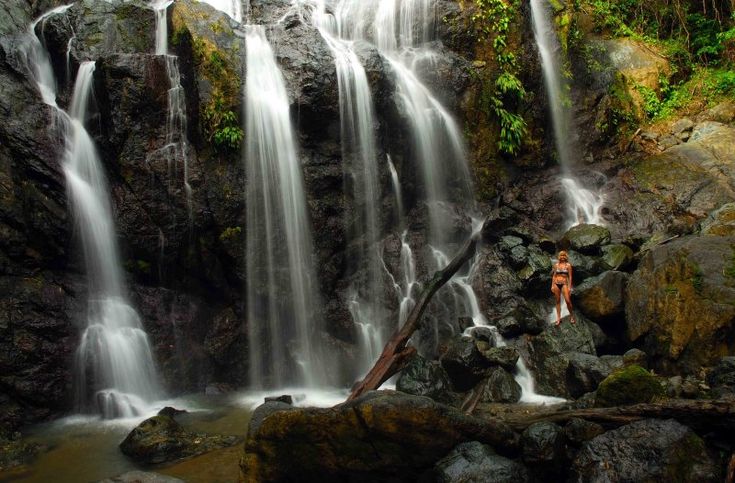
{"x": 563, "y": 254}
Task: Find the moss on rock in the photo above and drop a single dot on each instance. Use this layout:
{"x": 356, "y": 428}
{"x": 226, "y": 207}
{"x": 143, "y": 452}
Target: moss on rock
{"x": 629, "y": 385}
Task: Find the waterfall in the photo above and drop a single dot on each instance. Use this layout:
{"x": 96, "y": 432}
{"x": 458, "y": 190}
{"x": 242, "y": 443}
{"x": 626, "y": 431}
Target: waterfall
{"x": 583, "y": 205}
{"x": 359, "y": 157}
{"x": 114, "y": 372}
{"x": 176, "y": 149}
{"x": 284, "y": 313}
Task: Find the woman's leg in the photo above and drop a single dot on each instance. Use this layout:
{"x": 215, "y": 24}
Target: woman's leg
{"x": 568, "y": 300}
{"x": 557, "y": 297}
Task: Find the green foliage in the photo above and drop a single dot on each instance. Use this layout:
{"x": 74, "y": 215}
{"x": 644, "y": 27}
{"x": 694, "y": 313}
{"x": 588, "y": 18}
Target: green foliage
{"x": 222, "y": 125}
{"x": 708, "y": 83}
{"x": 230, "y": 232}
{"x": 696, "y": 27}
{"x": 493, "y": 19}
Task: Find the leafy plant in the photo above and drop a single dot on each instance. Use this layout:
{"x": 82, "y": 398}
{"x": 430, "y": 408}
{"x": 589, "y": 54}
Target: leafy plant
{"x": 493, "y": 17}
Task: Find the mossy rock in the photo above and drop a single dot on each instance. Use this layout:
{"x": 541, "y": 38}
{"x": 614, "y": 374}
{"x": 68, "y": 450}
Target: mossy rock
{"x": 617, "y": 256}
{"x": 629, "y": 385}
{"x": 586, "y": 238}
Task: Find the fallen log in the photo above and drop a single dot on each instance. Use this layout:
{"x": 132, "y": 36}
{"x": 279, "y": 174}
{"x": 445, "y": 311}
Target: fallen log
{"x": 395, "y": 354}
{"x": 698, "y": 414}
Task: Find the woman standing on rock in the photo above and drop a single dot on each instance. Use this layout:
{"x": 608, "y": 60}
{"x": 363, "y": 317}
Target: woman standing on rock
{"x": 561, "y": 284}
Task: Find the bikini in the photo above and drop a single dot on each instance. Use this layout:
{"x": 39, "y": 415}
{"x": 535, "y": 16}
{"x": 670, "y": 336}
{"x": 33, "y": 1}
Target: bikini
{"x": 559, "y": 271}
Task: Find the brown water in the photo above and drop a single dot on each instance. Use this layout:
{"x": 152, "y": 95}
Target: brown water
{"x": 87, "y": 451}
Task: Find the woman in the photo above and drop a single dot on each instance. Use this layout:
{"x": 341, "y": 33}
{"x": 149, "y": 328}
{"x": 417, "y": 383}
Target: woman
{"x": 561, "y": 284}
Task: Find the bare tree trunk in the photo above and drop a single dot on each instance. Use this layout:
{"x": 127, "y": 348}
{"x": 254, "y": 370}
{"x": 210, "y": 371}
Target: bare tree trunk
{"x": 395, "y": 354}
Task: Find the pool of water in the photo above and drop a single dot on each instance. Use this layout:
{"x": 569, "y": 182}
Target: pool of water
{"x": 85, "y": 449}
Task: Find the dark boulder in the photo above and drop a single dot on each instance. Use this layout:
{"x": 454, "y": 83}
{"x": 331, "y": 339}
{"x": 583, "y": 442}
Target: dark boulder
{"x": 680, "y": 305}
{"x": 584, "y": 373}
{"x": 383, "y": 435}
{"x": 500, "y": 387}
{"x": 722, "y": 377}
{"x": 586, "y": 238}
{"x": 648, "y": 450}
{"x": 637, "y": 357}
{"x": 542, "y": 446}
{"x": 602, "y": 296}
{"x": 464, "y": 363}
{"x": 425, "y": 378}
{"x": 505, "y": 357}
{"x": 616, "y": 257}
{"x": 475, "y": 462}
{"x": 578, "y": 431}
{"x": 161, "y": 438}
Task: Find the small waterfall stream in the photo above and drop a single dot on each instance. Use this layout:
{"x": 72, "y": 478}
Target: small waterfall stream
{"x": 284, "y": 312}
{"x": 176, "y": 149}
{"x": 583, "y": 205}
{"x": 114, "y": 373}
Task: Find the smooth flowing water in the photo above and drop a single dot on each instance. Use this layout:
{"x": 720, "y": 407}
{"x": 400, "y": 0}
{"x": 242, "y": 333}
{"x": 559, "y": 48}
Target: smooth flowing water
{"x": 583, "y": 205}
{"x": 176, "y": 149}
{"x": 284, "y": 311}
{"x": 360, "y": 161}
{"x": 114, "y": 372}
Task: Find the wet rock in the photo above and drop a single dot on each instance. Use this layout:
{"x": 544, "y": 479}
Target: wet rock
{"x": 723, "y": 112}
{"x": 720, "y": 222}
{"x": 648, "y": 450}
{"x": 667, "y": 141}
{"x": 535, "y": 274}
{"x": 578, "y": 431}
{"x": 616, "y": 257}
{"x": 637, "y": 357}
{"x": 542, "y": 445}
{"x": 586, "y": 238}
{"x": 681, "y": 304}
{"x": 425, "y": 378}
{"x": 548, "y": 354}
{"x": 364, "y": 439}
{"x": 682, "y": 127}
{"x": 519, "y": 319}
{"x": 602, "y": 296}
{"x": 474, "y": 461}
{"x": 613, "y": 362}
{"x": 285, "y": 399}
{"x": 505, "y": 357}
{"x": 670, "y": 191}
{"x": 584, "y": 373}
{"x": 585, "y": 266}
{"x": 141, "y": 477}
{"x": 500, "y": 387}
{"x": 630, "y": 385}
{"x": 15, "y": 452}
{"x": 161, "y": 438}
{"x": 99, "y": 29}
{"x": 464, "y": 363}
{"x": 723, "y": 375}
{"x": 484, "y": 334}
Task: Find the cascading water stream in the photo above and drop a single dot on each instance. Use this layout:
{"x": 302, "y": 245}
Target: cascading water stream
{"x": 176, "y": 149}
{"x": 284, "y": 312}
{"x": 359, "y": 156}
{"x": 114, "y": 372}
{"x": 583, "y": 205}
